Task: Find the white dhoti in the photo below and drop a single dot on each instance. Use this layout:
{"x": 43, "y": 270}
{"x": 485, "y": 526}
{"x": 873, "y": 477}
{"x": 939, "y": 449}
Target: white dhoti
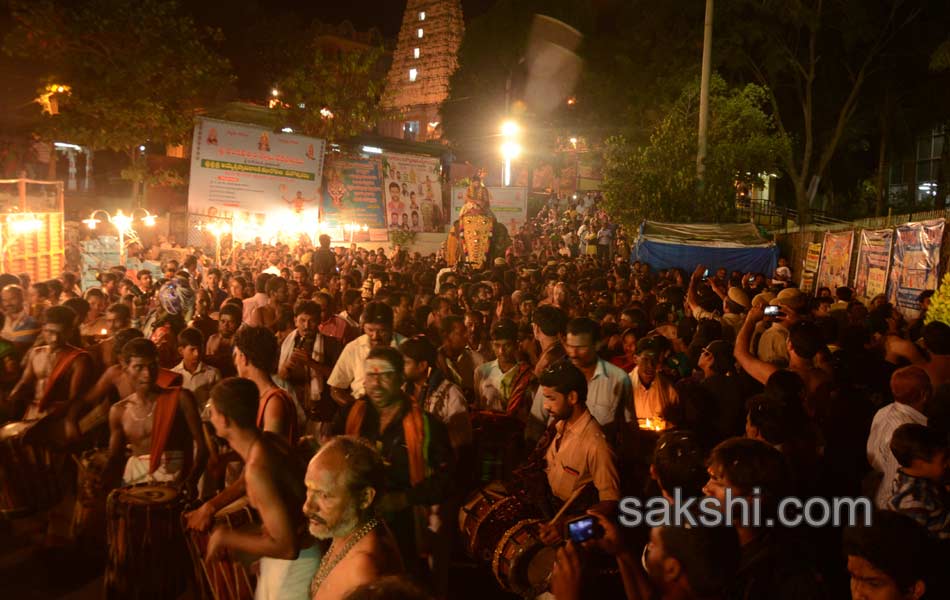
{"x": 170, "y": 469}
{"x": 287, "y": 579}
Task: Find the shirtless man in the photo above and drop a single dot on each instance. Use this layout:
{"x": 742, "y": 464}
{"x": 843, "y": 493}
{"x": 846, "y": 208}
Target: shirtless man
{"x": 255, "y": 356}
{"x": 160, "y": 425}
{"x": 274, "y": 486}
{"x": 57, "y": 373}
{"x": 887, "y": 325}
{"x": 118, "y": 317}
{"x": 277, "y": 294}
{"x": 343, "y": 484}
{"x": 937, "y": 339}
{"x": 803, "y": 343}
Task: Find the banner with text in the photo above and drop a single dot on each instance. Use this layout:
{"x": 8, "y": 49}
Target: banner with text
{"x": 874, "y": 261}
{"x": 510, "y": 205}
{"x": 268, "y": 183}
{"x": 412, "y": 189}
{"x": 810, "y": 267}
{"x": 835, "y": 263}
{"x": 353, "y": 193}
{"x": 915, "y": 264}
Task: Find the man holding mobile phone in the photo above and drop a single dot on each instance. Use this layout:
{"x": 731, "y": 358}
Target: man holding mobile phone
{"x": 579, "y": 455}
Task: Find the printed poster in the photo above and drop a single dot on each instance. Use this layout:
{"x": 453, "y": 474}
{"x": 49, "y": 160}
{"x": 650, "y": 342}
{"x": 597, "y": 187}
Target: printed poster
{"x": 835, "y": 266}
{"x": 915, "y": 264}
{"x": 413, "y": 192}
{"x": 810, "y": 268}
{"x": 812, "y": 257}
{"x": 874, "y": 260}
{"x": 353, "y": 193}
{"x": 510, "y": 205}
{"x": 267, "y": 182}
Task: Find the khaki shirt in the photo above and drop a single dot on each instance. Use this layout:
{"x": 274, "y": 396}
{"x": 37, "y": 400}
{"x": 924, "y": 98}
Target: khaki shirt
{"x": 579, "y": 455}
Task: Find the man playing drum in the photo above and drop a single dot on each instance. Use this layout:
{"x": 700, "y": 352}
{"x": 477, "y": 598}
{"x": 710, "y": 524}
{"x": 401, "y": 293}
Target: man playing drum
{"x": 160, "y": 425}
{"x": 57, "y": 372}
{"x": 274, "y": 482}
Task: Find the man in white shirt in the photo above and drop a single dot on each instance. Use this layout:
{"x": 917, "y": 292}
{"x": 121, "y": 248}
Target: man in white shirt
{"x": 303, "y": 363}
{"x": 504, "y": 385}
{"x": 653, "y": 392}
{"x": 346, "y": 379}
{"x": 428, "y": 386}
{"x": 609, "y": 391}
{"x": 912, "y": 392}
{"x": 259, "y": 299}
{"x": 196, "y": 375}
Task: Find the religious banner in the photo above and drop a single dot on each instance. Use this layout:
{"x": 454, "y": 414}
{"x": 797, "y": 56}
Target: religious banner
{"x": 915, "y": 264}
{"x": 835, "y": 263}
{"x": 353, "y": 193}
{"x": 810, "y": 268}
{"x": 510, "y": 205}
{"x": 267, "y": 182}
{"x": 874, "y": 260}
{"x": 413, "y": 192}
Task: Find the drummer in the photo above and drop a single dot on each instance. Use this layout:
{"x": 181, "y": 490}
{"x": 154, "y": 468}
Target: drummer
{"x": 160, "y": 425}
{"x": 57, "y": 373}
{"x": 274, "y": 480}
{"x": 579, "y": 455}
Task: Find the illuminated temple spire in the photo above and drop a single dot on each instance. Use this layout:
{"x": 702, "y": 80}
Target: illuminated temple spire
{"x": 425, "y": 58}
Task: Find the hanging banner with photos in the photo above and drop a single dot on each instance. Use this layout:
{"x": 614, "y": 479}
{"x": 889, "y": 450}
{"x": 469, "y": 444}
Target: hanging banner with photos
{"x": 874, "y": 261}
{"x": 835, "y": 264}
{"x": 915, "y": 264}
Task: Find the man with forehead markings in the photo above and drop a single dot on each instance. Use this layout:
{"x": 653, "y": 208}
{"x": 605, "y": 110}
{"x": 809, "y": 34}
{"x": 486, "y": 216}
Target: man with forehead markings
{"x": 344, "y": 482}
{"x": 415, "y": 447}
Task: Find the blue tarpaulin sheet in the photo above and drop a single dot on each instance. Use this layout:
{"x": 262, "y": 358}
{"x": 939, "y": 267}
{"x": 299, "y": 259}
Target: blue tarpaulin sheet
{"x": 735, "y": 247}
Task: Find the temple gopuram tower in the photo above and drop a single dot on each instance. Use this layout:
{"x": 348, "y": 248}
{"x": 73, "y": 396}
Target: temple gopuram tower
{"x": 424, "y": 59}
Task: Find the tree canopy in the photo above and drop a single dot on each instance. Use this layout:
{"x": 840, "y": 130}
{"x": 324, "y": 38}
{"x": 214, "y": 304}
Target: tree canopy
{"x": 132, "y": 71}
{"x": 657, "y": 180}
{"x": 334, "y": 97}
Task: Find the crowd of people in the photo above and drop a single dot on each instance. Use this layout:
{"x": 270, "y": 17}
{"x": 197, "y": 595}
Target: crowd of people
{"x": 359, "y": 399}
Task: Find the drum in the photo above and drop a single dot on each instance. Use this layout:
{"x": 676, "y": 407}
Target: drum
{"x": 226, "y": 578}
{"x": 31, "y": 475}
{"x": 485, "y": 518}
{"x": 522, "y": 563}
{"x": 147, "y": 557}
{"x": 89, "y": 512}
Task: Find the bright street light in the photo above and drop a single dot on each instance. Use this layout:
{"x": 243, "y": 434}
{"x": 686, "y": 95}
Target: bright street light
{"x": 510, "y": 129}
{"x": 510, "y": 149}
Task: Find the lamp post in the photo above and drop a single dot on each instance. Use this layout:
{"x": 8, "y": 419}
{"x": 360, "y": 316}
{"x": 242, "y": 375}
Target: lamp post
{"x": 217, "y": 231}
{"x": 510, "y": 148}
{"x": 122, "y": 223}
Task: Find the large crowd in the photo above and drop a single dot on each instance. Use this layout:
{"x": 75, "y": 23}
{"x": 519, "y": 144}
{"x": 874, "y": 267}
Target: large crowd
{"x": 378, "y": 412}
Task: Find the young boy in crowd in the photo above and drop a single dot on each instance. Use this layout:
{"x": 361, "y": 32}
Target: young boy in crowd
{"x": 917, "y": 490}
{"x": 197, "y": 376}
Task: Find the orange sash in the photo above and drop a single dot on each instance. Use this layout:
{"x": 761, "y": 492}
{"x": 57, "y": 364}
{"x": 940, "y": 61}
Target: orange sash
{"x": 413, "y": 429}
{"x": 62, "y": 365}
{"x": 166, "y": 408}
{"x": 289, "y": 409}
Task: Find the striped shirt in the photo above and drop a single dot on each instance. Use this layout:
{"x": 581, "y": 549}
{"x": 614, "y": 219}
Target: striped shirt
{"x": 880, "y": 457}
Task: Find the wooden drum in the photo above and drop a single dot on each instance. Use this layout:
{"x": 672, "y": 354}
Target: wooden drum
{"x": 147, "y": 557}
{"x": 31, "y": 474}
{"x": 227, "y": 578}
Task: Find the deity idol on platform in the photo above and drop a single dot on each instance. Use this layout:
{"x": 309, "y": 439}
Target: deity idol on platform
{"x": 477, "y": 238}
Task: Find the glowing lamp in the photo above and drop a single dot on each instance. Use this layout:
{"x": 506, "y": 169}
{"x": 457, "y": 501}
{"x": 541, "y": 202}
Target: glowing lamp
{"x": 509, "y": 129}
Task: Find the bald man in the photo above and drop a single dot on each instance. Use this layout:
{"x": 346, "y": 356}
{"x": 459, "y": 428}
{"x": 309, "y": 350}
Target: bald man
{"x": 912, "y": 392}
{"x": 343, "y": 483}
